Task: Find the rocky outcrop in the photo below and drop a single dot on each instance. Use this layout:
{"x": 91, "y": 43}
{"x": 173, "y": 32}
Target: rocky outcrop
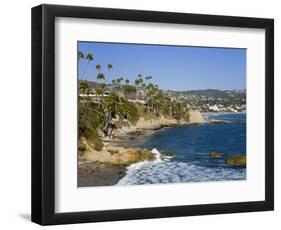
{"x": 238, "y": 160}
{"x": 131, "y": 155}
{"x": 115, "y": 155}
{"x": 154, "y": 124}
{"x": 214, "y": 154}
{"x": 195, "y": 117}
{"x": 217, "y": 121}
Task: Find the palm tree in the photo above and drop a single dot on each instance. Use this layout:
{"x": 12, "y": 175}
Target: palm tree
{"x": 126, "y": 87}
{"x": 138, "y": 82}
{"x": 153, "y": 97}
{"x": 98, "y": 67}
{"x": 117, "y": 83}
{"x": 80, "y": 55}
{"x": 100, "y": 88}
{"x": 83, "y": 89}
{"x": 109, "y": 66}
{"x": 145, "y": 88}
{"x": 89, "y": 58}
{"x": 148, "y": 78}
{"x": 100, "y": 76}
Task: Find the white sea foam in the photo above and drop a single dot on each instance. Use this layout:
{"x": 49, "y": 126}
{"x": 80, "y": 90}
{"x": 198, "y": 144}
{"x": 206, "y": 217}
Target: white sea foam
{"x": 157, "y": 155}
{"x": 140, "y": 165}
{"x": 177, "y": 172}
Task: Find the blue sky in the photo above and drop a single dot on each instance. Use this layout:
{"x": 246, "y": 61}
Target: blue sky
{"x": 171, "y": 67}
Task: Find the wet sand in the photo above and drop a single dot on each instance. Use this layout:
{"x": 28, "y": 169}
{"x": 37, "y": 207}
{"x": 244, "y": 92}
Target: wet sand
{"x": 99, "y": 174}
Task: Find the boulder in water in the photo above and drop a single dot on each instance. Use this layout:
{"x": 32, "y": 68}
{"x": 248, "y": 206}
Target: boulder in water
{"x": 215, "y": 154}
{"x": 217, "y": 121}
{"x": 237, "y": 160}
{"x": 136, "y": 155}
{"x": 168, "y": 154}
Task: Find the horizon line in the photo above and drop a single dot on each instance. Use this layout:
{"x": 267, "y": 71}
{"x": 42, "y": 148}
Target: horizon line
{"x": 180, "y": 89}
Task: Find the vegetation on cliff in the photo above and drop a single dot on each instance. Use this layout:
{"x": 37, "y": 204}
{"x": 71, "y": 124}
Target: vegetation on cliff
{"x": 101, "y": 102}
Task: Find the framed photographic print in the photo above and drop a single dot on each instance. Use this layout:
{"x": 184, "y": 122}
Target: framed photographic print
{"x": 142, "y": 114}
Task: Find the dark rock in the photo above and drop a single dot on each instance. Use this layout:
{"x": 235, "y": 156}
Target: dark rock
{"x": 214, "y": 154}
{"x": 169, "y": 154}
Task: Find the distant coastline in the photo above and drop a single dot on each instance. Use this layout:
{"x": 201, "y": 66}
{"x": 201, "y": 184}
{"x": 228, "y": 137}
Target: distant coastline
{"x": 218, "y": 113}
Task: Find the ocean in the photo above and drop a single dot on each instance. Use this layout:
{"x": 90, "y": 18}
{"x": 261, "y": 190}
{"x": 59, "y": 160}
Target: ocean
{"x": 191, "y": 144}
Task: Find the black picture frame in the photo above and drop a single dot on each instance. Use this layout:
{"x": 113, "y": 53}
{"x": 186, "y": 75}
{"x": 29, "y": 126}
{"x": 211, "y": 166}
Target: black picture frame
{"x": 43, "y": 114}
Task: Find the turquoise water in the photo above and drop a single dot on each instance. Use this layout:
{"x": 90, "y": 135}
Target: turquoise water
{"x": 192, "y": 144}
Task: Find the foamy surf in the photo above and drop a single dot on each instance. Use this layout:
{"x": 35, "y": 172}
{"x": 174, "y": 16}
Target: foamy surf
{"x": 177, "y": 172}
{"x": 159, "y": 158}
{"x": 157, "y": 155}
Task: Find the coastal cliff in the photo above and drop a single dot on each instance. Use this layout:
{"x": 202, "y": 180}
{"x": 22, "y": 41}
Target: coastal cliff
{"x": 108, "y": 165}
{"x": 114, "y": 153}
{"x": 195, "y": 117}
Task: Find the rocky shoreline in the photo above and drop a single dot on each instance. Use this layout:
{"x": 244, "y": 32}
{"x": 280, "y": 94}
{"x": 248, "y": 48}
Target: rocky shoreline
{"x": 113, "y": 151}
{"x": 108, "y": 166}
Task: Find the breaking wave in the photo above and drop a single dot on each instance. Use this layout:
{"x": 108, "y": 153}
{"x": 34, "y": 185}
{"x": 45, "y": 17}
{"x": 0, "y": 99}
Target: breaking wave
{"x": 164, "y": 171}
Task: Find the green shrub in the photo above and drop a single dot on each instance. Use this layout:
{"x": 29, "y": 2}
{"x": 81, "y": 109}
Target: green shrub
{"x": 95, "y": 139}
{"x": 98, "y": 145}
{"x": 91, "y": 117}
